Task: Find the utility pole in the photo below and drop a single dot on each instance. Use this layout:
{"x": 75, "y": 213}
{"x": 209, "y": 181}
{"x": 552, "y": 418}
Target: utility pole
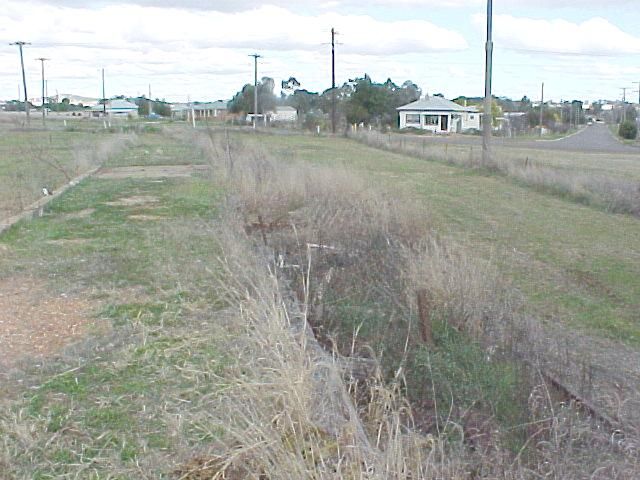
{"x": 333, "y": 80}
{"x": 624, "y": 103}
{"x": 104, "y": 99}
{"x": 42, "y": 60}
{"x": 541, "y": 108}
{"x": 255, "y": 87}
{"x": 486, "y": 134}
{"x": 24, "y": 78}
{"x": 150, "y": 105}
{"x": 638, "y": 83}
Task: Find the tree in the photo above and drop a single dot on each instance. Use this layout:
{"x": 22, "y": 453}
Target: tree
{"x": 375, "y": 103}
{"x": 409, "y": 92}
{"x": 628, "y": 130}
{"x": 303, "y": 101}
{"x": 496, "y": 111}
{"x": 242, "y": 102}
{"x": 162, "y": 108}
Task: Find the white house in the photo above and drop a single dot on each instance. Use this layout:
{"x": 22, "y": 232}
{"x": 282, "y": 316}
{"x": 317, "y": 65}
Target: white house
{"x": 201, "y": 110}
{"x": 116, "y": 108}
{"x": 284, "y": 114}
{"x": 439, "y": 115}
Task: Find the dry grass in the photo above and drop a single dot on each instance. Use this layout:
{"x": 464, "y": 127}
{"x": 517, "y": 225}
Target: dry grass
{"x": 612, "y": 192}
{"x": 32, "y": 160}
{"x": 287, "y": 413}
{"x": 308, "y": 371}
{"x": 330, "y": 241}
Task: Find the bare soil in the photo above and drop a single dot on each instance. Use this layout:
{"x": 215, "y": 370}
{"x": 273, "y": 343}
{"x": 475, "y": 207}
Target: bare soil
{"x": 146, "y": 218}
{"x": 153, "y": 171}
{"x": 87, "y": 212}
{"x": 35, "y": 323}
{"x": 133, "y": 201}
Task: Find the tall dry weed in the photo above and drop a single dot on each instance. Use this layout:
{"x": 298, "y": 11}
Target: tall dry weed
{"x": 332, "y": 244}
{"x": 611, "y": 193}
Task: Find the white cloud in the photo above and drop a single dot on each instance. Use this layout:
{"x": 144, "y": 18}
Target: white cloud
{"x": 198, "y": 50}
{"x": 266, "y": 28}
{"x": 596, "y": 36}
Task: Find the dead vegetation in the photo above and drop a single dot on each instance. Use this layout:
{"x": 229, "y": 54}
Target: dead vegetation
{"x": 354, "y": 343}
{"x": 614, "y": 194}
{"x": 382, "y": 293}
{"x": 46, "y": 160}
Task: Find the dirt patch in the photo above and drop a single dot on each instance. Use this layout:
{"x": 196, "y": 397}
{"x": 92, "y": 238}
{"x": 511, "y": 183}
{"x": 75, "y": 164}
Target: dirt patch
{"x": 34, "y": 323}
{"x": 79, "y": 214}
{"x": 67, "y": 241}
{"x": 153, "y": 171}
{"x": 146, "y": 218}
{"x": 133, "y": 201}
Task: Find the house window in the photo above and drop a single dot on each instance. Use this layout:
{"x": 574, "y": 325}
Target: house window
{"x": 413, "y": 119}
{"x": 471, "y": 117}
{"x": 432, "y": 119}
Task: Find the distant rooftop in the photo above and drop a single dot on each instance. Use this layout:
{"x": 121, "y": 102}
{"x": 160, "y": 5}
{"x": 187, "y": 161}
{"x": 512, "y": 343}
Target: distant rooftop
{"x": 116, "y": 104}
{"x": 436, "y": 103}
{"x": 217, "y": 105}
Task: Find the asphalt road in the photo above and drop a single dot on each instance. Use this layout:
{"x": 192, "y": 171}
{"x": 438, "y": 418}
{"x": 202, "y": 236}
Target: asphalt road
{"x": 596, "y": 138}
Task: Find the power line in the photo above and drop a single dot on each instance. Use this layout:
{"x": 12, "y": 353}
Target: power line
{"x": 24, "y": 78}
{"x": 42, "y": 60}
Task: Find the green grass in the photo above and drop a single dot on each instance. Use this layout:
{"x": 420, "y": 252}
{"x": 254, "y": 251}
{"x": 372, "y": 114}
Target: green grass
{"x": 565, "y": 258}
{"x": 463, "y": 377}
{"x": 138, "y": 394}
{"x": 32, "y": 159}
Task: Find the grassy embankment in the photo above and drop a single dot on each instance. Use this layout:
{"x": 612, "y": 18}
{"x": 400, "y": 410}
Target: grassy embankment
{"x": 605, "y": 181}
{"x": 147, "y": 402}
{"x": 574, "y": 264}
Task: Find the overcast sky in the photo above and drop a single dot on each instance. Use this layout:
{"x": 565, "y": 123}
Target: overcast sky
{"x": 198, "y": 49}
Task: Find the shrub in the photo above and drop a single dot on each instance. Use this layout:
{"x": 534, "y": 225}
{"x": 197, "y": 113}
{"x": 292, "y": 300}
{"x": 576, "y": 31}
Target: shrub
{"x": 628, "y": 130}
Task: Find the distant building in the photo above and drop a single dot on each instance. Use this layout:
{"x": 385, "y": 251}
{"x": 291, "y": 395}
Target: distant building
{"x": 201, "y": 111}
{"x": 438, "y": 115}
{"x": 284, "y": 114}
{"x": 76, "y": 99}
{"x": 116, "y": 108}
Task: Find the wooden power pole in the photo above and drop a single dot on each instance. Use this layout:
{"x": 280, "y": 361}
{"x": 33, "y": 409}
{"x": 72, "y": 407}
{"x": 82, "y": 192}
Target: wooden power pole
{"x": 24, "y": 78}
{"x": 541, "y": 108}
{"x": 333, "y": 80}
{"x": 486, "y": 131}
{"x": 104, "y": 99}
{"x": 255, "y": 87}
{"x": 42, "y": 60}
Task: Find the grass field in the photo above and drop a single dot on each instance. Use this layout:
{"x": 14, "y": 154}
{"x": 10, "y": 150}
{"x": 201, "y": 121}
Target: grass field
{"x": 138, "y": 251}
{"x": 161, "y": 383}
{"x": 33, "y": 159}
{"x": 574, "y": 264}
